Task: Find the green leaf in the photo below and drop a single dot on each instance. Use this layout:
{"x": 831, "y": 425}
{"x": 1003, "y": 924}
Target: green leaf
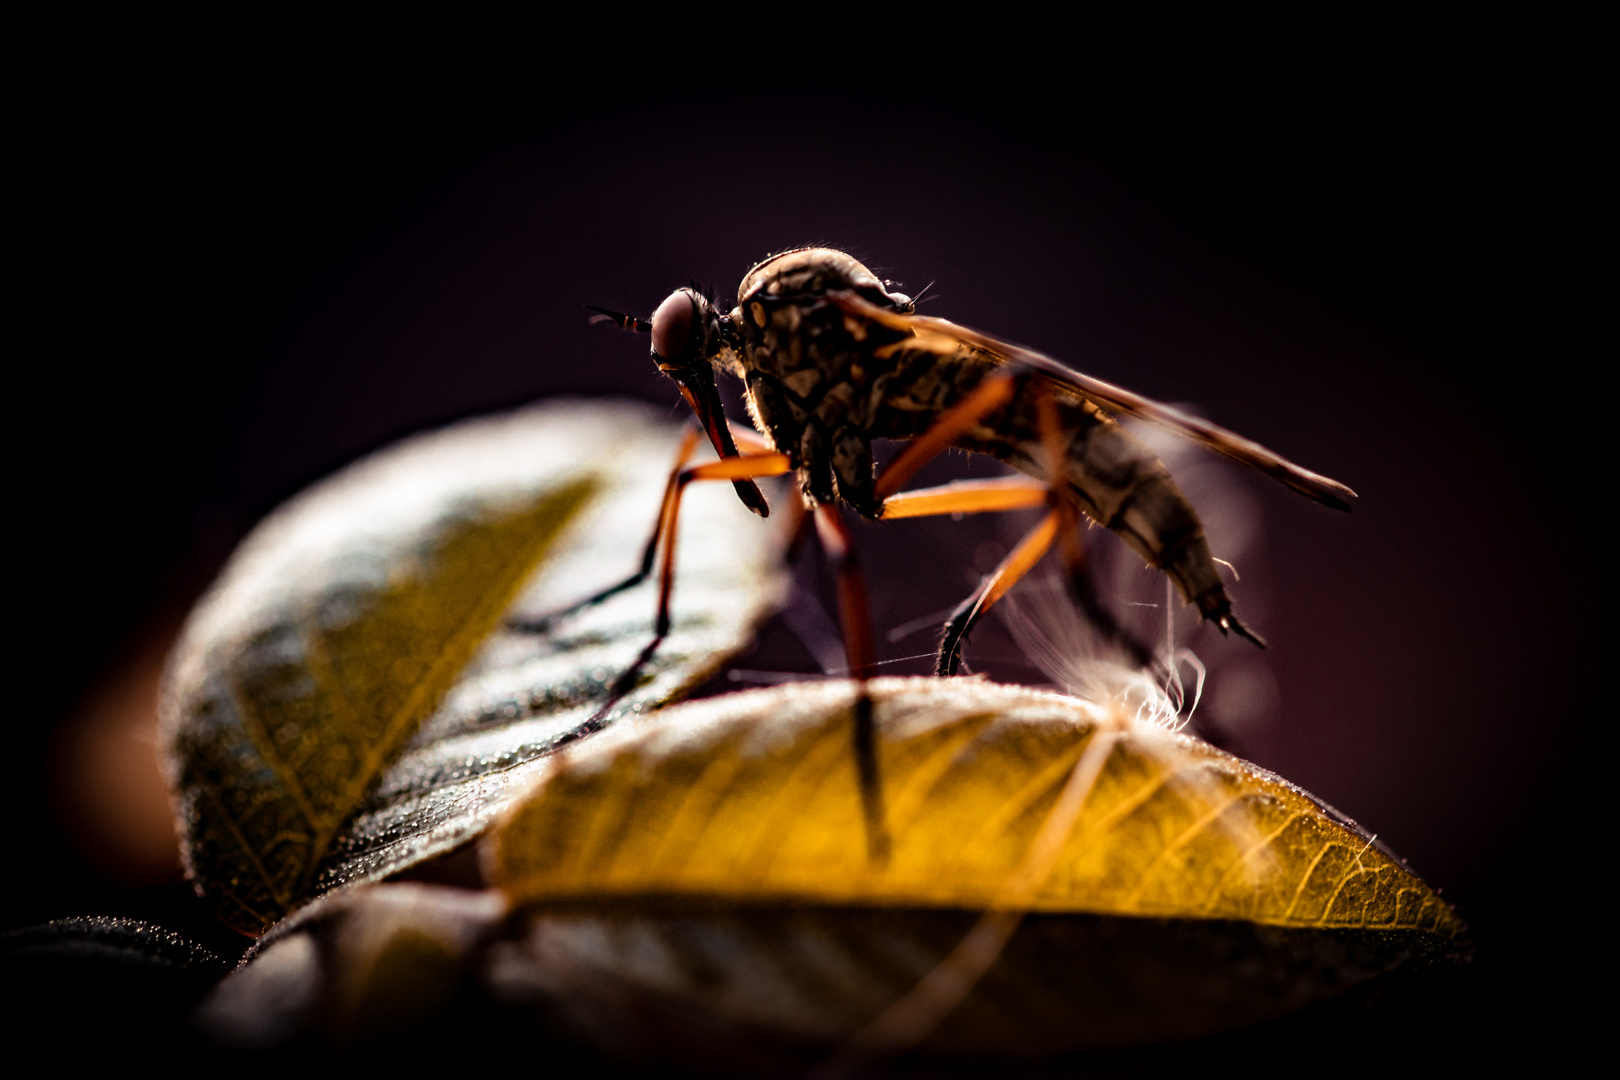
{"x": 341, "y": 705}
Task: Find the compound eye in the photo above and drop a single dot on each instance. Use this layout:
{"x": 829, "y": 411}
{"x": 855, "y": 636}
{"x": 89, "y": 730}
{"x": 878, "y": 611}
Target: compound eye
{"x": 674, "y": 327}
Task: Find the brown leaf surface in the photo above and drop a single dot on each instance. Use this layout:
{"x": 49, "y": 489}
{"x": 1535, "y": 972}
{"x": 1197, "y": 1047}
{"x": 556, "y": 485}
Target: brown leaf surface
{"x": 341, "y": 706}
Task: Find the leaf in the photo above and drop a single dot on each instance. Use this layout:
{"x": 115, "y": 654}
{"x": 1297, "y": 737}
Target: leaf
{"x": 112, "y": 942}
{"x": 361, "y": 965}
{"x": 84, "y": 990}
{"x": 341, "y": 707}
{"x": 754, "y": 796}
{"x": 712, "y": 868}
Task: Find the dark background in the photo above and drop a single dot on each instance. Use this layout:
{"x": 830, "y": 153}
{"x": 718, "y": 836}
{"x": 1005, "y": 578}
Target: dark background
{"x": 236, "y": 277}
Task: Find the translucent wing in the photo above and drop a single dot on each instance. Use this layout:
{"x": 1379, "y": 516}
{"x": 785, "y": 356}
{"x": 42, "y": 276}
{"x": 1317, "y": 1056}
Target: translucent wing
{"x": 1115, "y": 399}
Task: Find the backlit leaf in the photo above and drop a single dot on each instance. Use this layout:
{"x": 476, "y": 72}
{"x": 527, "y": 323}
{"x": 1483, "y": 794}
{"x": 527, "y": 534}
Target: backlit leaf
{"x": 714, "y": 866}
{"x": 341, "y": 705}
{"x": 754, "y": 796}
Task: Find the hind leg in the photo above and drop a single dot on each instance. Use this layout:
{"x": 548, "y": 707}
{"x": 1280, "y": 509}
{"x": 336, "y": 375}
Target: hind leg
{"x": 1063, "y": 523}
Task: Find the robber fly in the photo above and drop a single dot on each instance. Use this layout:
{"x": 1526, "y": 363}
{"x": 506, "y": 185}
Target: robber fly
{"x": 832, "y": 357}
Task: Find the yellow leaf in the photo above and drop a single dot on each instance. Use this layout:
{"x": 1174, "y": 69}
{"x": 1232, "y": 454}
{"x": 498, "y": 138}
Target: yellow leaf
{"x": 753, "y": 797}
{"x": 340, "y": 706}
{"x": 1188, "y": 892}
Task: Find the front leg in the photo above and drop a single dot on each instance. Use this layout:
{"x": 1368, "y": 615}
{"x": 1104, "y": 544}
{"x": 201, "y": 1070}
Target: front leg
{"x": 750, "y": 442}
{"x": 544, "y": 624}
{"x": 815, "y": 464}
{"x": 853, "y": 470}
{"x": 743, "y": 467}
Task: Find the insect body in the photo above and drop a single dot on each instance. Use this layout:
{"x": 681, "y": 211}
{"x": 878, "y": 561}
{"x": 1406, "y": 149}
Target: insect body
{"x": 832, "y": 359}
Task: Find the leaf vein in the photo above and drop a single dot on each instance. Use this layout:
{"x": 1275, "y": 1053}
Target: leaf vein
{"x": 253, "y": 724}
{"x": 1304, "y": 880}
{"x": 235, "y": 831}
{"x": 1263, "y": 842}
{"x": 1133, "y": 898}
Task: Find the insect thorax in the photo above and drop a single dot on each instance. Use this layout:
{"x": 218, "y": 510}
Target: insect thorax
{"x": 822, "y": 383}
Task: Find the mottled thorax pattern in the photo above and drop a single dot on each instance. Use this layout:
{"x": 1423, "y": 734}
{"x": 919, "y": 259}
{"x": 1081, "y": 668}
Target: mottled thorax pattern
{"x": 816, "y": 379}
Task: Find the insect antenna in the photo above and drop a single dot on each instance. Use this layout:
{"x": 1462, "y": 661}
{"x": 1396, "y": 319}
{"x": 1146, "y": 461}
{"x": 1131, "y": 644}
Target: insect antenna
{"x": 623, "y": 321}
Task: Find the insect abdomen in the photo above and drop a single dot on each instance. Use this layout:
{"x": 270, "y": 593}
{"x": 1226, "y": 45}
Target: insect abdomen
{"x": 1122, "y": 485}
{"x": 1117, "y": 480}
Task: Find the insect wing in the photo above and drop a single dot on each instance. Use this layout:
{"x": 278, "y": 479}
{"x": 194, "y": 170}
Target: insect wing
{"x": 1115, "y": 399}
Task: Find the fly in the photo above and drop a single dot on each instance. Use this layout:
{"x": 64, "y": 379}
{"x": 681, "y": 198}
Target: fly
{"x": 832, "y": 358}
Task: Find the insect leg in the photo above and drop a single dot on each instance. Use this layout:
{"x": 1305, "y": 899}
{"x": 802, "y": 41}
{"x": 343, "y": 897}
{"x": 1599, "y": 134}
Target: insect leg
{"x": 967, "y": 497}
{"x": 748, "y": 440}
{"x": 857, "y": 626}
{"x": 994, "y": 586}
{"x": 543, "y": 623}
{"x": 1008, "y": 494}
{"x": 1073, "y": 545}
{"x": 979, "y": 496}
{"x": 742, "y": 467}
{"x": 995, "y": 391}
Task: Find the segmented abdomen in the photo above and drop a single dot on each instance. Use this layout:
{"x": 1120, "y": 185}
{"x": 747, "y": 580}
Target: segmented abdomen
{"x": 1117, "y": 481}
